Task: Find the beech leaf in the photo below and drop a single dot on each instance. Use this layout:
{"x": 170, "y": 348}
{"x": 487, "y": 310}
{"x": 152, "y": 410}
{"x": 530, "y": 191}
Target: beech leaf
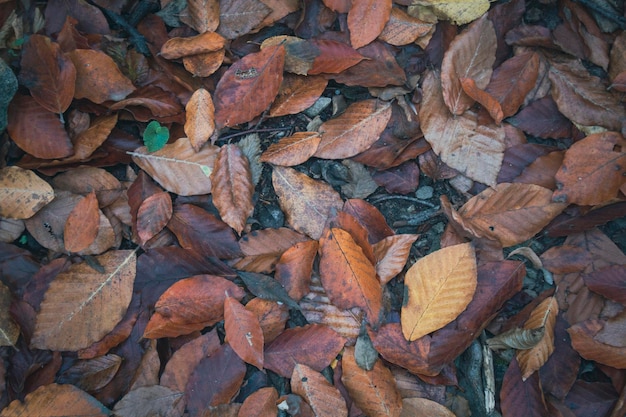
{"x": 243, "y": 332}
{"x": 22, "y": 193}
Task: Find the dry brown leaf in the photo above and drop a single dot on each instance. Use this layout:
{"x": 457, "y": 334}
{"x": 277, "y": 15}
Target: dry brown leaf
{"x": 373, "y": 391}
{"x": 200, "y": 123}
{"x": 81, "y": 227}
{"x": 85, "y": 179}
{"x": 56, "y": 400}
{"x": 22, "y": 193}
{"x": 366, "y": 20}
{"x": 178, "y": 168}
{"x": 391, "y": 255}
{"x": 412, "y": 407}
{"x": 11, "y": 229}
{"x": 203, "y": 65}
{"x": 261, "y": 403}
{"x": 152, "y": 216}
{"x": 403, "y": 29}
{"x": 439, "y": 287}
{"x": 583, "y": 340}
{"x": 204, "y": 15}
{"x": 243, "y": 332}
{"x": 200, "y": 44}
{"x": 475, "y": 150}
{"x": 232, "y": 25}
{"x": 292, "y": 150}
{"x": 484, "y": 98}
{"x": 348, "y": 277}
{"x": 82, "y": 305}
{"x": 544, "y": 315}
{"x": 470, "y": 55}
{"x": 154, "y": 400}
{"x": 307, "y": 203}
{"x": 517, "y": 339}
{"x": 297, "y": 93}
{"x": 354, "y": 131}
{"x": 88, "y": 141}
{"x": 324, "y": 398}
{"x": 232, "y": 187}
{"x": 262, "y": 248}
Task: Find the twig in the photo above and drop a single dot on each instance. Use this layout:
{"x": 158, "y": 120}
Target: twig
{"x": 247, "y": 132}
{"x": 402, "y": 197}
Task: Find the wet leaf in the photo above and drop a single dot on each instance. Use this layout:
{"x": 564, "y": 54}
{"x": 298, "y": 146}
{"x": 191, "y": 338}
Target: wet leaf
{"x": 22, "y": 193}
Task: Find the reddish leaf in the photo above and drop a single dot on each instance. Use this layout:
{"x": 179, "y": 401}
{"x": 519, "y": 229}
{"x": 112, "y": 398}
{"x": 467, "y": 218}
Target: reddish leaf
{"x": 583, "y": 336}
{"x": 513, "y": 80}
{"x": 292, "y": 150}
{"x": 191, "y": 304}
{"x": 199, "y": 44}
{"x": 262, "y": 248}
{"x": 403, "y": 179}
{"x": 391, "y": 344}
{"x": 609, "y": 282}
{"x": 232, "y": 186}
{"x": 312, "y": 345}
{"x": 391, "y": 255}
{"x": 324, "y": 398}
{"x": 152, "y": 102}
{"x": 57, "y": 400}
{"x": 271, "y": 315}
{"x": 48, "y": 74}
{"x": 484, "y": 98}
{"x": 243, "y": 332}
{"x": 261, "y": 403}
{"x": 334, "y": 57}
{"x": 153, "y": 215}
{"x": 542, "y": 118}
{"x": 370, "y": 218}
{"x": 200, "y": 122}
{"x": 249, "y": 86}
{"x": 296, "y": 94}
{"x": 521, "y": 398}
{"x": 82, "y": 224}
{"x": 37, "y": 131}
{"x": 294, "y": 268}
{"x": 378, "y": 69}
{"x": 366, "y": 20}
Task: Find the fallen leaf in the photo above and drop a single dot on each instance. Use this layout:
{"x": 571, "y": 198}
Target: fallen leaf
{"x": 204, "y": 42}
{"x": 200, "y": 123}
{"x": 391, "y": 255}
{"x": 267, "y": 288}
{"x": 243, "y": 332}
{"x": 459, "y": 12}
{"x": 148, "y": 401}
{"x": 9, "y": 329}
{"x": 81, "y": 227}
{"x": 353, "y": 131}
{"x": 204, "y": 15}
{"x": 294, "y": 268}
{"x": 22, "y": 193}
{"x": 153, "y": 215}
{"x": 470, "y": 55}
{"x": 296, "y": 94}
{"x": 403, "y": 29}
{"x": 334, "y": 57}
{"x": 349, "y": 278}
{"x": 584, "y": 342}
{"x": 203, "y": 65}
{"x": 370, "y": 217}
{"x": 424, "y": 407}
{"x": 440, "y": 286}
{"x": 542, "y": 118}
{"x": 307, "y": 203}
{"x": 232, "y": 25}
{"x": 261, "y": 403}
{"x": 521, "y": 398}
{"x": 609, "y": 282}
{"x": 366, "y": 20}
{"x": 292, "y": 150}
{"x": 232, "y": 187}
{"x": 393, "y": 347}
{"x": 85, "y": 179}
{"x": 324, "y": 398}
{"x": 544, "y": 315}
{"x": 249, "y": 86}
{"x": 484, "y": 98}
{"x": 272, "y": 317}
{"x": 98, "y": 303}
{"x": 54, "y": 400}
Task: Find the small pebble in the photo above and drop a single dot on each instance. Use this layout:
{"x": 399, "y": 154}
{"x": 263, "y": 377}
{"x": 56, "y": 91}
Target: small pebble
{"x": 424, "y": 193}
{"x": 318, "y": 107}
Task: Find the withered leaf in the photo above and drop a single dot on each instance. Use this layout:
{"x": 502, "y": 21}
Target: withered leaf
{"x": 267, "y": 288}
{"x": 22, "y": 193}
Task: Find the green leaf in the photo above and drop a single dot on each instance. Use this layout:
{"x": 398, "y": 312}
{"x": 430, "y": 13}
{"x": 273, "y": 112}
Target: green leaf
{"x": 155, "y": 136}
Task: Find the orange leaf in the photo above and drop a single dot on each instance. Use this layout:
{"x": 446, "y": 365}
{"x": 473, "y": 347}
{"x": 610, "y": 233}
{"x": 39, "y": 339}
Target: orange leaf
{"x": 204, "y": 15}
{"x": 261, "y": 403}
{"x": 37, "y": 131}
{"x": 593, "y": 170}
{"x": 81, "y": 227}
{"x": 55, "y": 399}
{"x": 511, "y": 213}
{"x": 203, "y": 65}
{"x": 82, "y": 305}
{"x": 484, "y": 98}
{"x": 152, "y": 216}
{"x": 584, "y": 342}
{"x": 294, "y": 268}
{"x": 249, "y": 86}
{"x": 373, "y": 391}
{"x": 440, "y": 286}
{"x": 307, "y": 203}
{"x": 324, "y": 398}
{"x": 354, "y": 131}
{"x": 48, "y": 73}
{"x": 370, "y": 217}
{"x": 470, "y": 55}
{"x": 232, "y": 186}
{"x": 200, "y": 44}
{"x": 243, "y": 332}
{"x": 98, "y": 77}
{"x": 190, "y": 304}
{"x": 262, "y": 248}
{"x": 296, "y": 94}
{"x": 513, "y": 80}
{"x": 413, "y": 356}
{"x": 475, "y": 150}
{"x": 391, "y": 255}
{"x": 544, "y": 315}
{"x": 366, "y": 19}
{"x": 22, "y": 193}
{"x": 271, "y": 315}
{"x": 200, "y": 123}
{"x": 292, "y": 150}
{"x": 349, "y": 278}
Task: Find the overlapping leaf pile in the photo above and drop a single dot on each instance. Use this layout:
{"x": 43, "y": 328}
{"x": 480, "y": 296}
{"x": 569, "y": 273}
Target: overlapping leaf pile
{"x": 159, "y": 289}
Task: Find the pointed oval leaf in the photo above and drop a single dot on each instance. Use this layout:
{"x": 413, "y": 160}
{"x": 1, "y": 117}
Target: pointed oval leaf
{"x": 261, "y": 403}
{"x": 521, "y": 398}
{"x": 200, "y": 123}
{"x": 439, "y": 287}
{"x": 81, "y": 227}
{"x": 391, "y": 255}
{"x": 354, "y": 131}
{"x": 178, "y": 168}
{"x": 424, "y": 407}
{"x": 232, "y": 186}
{"x": 243, "y": 332}
{"x": 470, "y": 55}
{"x": 262, "y": 248}
{"x": 373, "y": 391}
{"x": 153, "y": 214}
{"x": 366, "y": 20}
{"x": 56, "y": 400}
{"x": 297, "y": 93}
{"x": 295, "y": 266}
{"x": 204, "y": 42}
{"x": 544, "y": 315}
{"x": 403, "y": 29}
{"x": 22, "y": 193}
{"x": 82, "y": 305}
{"x": 324, "y": 398}
{"x": 349, "y": 278}
{"x": 292, "y": 150}
{"x": 307, "y": 203}
{"x": 249, "y": 86}
{"x": 334, "y": 57}
{"x": 149, "y": 401}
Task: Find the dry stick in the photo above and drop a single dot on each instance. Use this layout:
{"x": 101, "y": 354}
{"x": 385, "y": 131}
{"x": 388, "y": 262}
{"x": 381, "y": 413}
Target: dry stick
{"x": 247, "y": 132}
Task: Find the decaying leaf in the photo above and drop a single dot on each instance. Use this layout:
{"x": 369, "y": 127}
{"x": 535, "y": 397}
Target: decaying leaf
{"x": 460, "y": 12}
{"x": 200, "y": 122}
{"x": 517, "y": 339}
{"x": 544, "y": 315}
{"x": 22, "y": 193}
{"x": 9, "y": 330}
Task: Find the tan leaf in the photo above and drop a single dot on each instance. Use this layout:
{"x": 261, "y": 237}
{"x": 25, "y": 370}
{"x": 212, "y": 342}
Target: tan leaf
{"x": 232, "y": 187}
{"x": 204, "y": 15}
{"x": 403, "y": 29}
{"x": 292, "y": 150}
{"x": 458, "y": 11}
{"x": 511, "y": 213}
{"x": 249, "y": 86}
{"x": 243, "y": 332}
{"x": 203, "y": 65}
{"x": 9, "y": 330}
{"x": 324, "y": 398}
{"x": 475, "y": 150}
{"x": 295, "y": 267}
{"x": 544, "y": 315}
{"x": 178, "y": 168}
{"x": 56, "y": 400}
{"x": 88, "y": 141}
{"x": 11, "y": 229}
{"x": 81, "y": 227}
{"x": 424, "y": 407}
{"x": 373, "y": 391}
{"x": 470, "y": 55}
{"x": 82, "y": 305}
{"x": 440, "y": 286}
{"x": 366, "y": 19}
{"x": 200, "y": 44}
{"x": 517, "y": 339}
{"x": 296, "y": 94}
{"x": 307, "y": 203}
{"x": 22, "y": 193}
{"x": 200, "y": 123}
{"x": 353, "y": 131}
{"x": 232, "y": 25}
{"x": 391, "y": 255}
{"x": 348, "y": 277}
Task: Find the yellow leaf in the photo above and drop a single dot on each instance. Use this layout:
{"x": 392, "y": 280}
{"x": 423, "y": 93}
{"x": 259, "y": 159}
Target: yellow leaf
{"x": 458, "y": 11}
